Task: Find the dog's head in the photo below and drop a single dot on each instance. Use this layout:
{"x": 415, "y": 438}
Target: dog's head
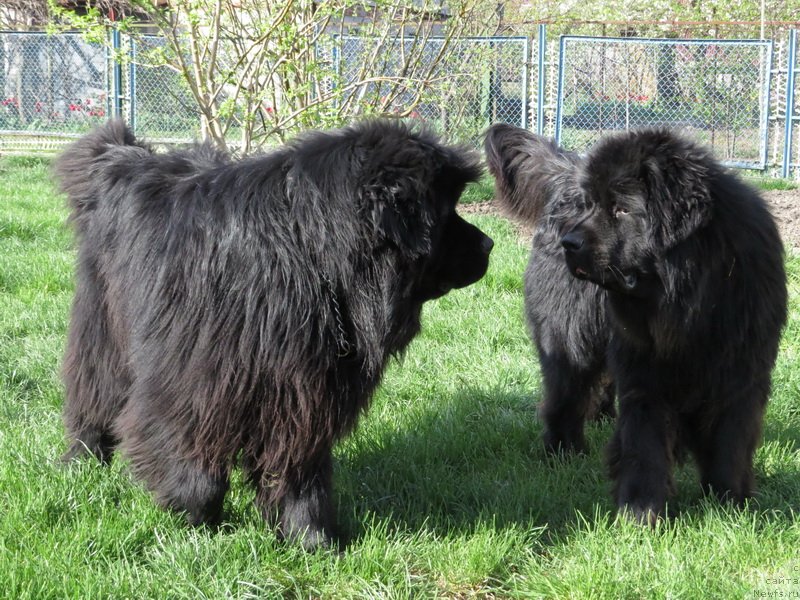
{"x": 643, "y": 193}
{"x": 410, "y": 184}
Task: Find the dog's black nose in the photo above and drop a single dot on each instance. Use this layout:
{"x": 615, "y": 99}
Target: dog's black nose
{"x": 572, "y": 241}
{"x": 487, "y": 244}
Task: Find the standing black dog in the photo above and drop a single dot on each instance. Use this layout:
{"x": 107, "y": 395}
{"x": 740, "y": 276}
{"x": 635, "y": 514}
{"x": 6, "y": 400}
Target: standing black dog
{"x": 691, "y": 262}
{"x": 244, "y": 310}
{"x": 567, "y": 318}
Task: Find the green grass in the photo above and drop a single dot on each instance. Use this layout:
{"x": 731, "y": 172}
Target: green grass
{"x": 771, "y": 183}
{"x": 479, "y": 191}
{"x": 443, "y": 490}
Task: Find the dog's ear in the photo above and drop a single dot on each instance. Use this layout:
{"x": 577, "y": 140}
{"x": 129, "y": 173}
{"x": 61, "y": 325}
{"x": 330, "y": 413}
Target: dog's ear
{"x": 408, "y": 179}
{"x": 397, "y": 199}
{"x": 678, "y": 177}
{"x": 529, "y": 170}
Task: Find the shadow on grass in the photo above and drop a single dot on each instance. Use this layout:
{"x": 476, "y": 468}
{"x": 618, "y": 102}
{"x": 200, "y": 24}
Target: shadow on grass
{"x": 472, "y": 459}
{"x": 777, "y": 469}
{"x": 477, "y": 458}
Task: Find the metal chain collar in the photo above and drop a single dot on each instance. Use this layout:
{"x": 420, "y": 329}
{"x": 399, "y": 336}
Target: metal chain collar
{"x": 341, "y": 335}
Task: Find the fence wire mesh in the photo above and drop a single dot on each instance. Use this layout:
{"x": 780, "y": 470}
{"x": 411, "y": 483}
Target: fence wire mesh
{"x": 53, "y": 87}
{"x": 715, "y": 89}
{"x": 161, "y": 105}
{"x": 50, "y": 85}
{"x": 459, "y": 86}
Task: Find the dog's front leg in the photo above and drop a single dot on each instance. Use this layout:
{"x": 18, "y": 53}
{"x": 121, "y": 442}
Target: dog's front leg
{"x": 299, "y": 506}
{"x": 640, "y": 457}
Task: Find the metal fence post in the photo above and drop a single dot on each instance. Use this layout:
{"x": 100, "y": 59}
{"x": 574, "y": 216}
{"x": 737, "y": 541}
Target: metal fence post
{"x": 116, "y": 44}
{"x": 541, "y": 78}
{"x": 765, "y": 92}
{"x": 132, "y": 84}
{"x": 559, "y": 94}
{"x": 526, "y": 76}
{"x": 790, "y": 83}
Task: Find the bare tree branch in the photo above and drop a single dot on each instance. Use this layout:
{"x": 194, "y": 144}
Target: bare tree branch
{"x": 258, "y": 69}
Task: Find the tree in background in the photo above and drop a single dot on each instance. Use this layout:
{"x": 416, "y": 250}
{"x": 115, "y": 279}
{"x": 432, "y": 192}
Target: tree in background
{"x": 23, "y": 14}
{"x": 256, "y": 70}
{"x": 572, "y": 14}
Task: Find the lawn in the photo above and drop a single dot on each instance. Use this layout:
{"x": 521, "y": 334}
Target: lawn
{"x": 443, "y": 491}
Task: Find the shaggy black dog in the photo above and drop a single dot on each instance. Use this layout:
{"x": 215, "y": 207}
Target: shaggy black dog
{"x": 566, "y": 317}
{"x": 692, "y": 267}
{"x": 244, "y": 311}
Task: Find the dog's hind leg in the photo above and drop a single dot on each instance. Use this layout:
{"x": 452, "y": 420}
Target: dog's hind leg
{"x": 95, "y": 376}
{"x": 603, "y": 394}
{"x": 160, "y": 449}
{"x": 187, "y": 487}
{"x": 566, "y": 402}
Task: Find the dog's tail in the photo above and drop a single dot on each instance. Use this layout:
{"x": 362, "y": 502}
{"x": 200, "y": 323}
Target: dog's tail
{"x": 529, "y": 170}
{"x": 78, "y": 170}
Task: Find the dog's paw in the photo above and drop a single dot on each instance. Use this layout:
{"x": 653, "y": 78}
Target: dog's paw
{"x": 645, "y": 514}
{"x": 556, "y": 444}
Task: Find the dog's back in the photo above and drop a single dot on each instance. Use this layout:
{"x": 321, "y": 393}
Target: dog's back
{"x": 80, "y": 172}
{"x": 102, "y": 165}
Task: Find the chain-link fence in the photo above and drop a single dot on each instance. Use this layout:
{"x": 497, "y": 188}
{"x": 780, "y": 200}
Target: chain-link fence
{"x": 783, "y": 138}
{"x": 161, "y": 106}
{"x": 460, "y": 86}
{"x": 50, "y": 87}
{"x": 716, "y": 89}
{"x": 576, "y": 89}
{"x": 784, "y": 134}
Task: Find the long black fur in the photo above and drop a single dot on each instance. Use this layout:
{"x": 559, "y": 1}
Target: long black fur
{"x": 243, "y": 311}
{"x": 567, "y": 320}
{"x": 691, "y": 264}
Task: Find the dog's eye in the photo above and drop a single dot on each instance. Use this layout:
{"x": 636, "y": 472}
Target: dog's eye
{"x": 618, "y": 211}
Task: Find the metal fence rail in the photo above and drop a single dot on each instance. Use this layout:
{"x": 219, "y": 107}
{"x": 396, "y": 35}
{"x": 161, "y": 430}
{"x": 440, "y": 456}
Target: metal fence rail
{"x": 716, "y": 89}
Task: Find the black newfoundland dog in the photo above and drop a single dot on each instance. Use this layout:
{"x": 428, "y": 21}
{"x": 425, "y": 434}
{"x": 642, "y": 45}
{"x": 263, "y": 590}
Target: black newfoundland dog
{"x": 691, "y": 263}
{"x": 244, "y": 311}
{"x": 567, "y": 318}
